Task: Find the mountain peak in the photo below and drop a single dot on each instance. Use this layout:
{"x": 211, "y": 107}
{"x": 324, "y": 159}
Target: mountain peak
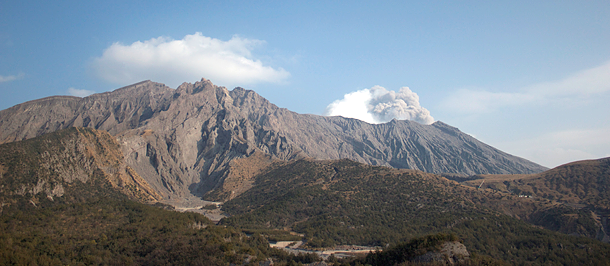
{"x": 183, "y": 140}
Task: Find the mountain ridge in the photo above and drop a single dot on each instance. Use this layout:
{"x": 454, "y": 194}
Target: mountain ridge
{"x": 182, "y": 140}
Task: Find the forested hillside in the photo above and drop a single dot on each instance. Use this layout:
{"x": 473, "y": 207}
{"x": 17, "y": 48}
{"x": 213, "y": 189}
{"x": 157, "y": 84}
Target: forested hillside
{"x": 577, "y": 196}
{"x": 344, "y": 202}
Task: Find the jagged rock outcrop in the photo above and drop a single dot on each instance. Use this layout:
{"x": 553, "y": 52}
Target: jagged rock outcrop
{"x": 182, "y": 141}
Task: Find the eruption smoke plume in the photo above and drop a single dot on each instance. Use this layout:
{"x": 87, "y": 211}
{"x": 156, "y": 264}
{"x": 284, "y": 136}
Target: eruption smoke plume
{"x": 378, "y": 105}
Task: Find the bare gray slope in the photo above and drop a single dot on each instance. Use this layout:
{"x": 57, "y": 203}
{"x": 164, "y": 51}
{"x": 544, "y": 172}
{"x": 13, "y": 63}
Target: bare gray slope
{"x": 181, "y": 141}
{"x": 436, "y": 148}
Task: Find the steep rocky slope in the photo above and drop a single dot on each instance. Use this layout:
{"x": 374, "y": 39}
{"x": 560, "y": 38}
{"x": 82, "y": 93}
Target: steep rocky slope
{"x": 182, "y": 141}
{"x": 57, "y": 162}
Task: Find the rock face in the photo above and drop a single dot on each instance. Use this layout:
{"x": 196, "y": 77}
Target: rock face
{"x": 182, "y": 141}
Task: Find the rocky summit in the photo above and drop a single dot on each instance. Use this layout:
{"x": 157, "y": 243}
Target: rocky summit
{"x": 182, "y": 141}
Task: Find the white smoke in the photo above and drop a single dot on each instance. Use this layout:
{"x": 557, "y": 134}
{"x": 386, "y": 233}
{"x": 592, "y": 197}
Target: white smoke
{"x": 378, "y": 105}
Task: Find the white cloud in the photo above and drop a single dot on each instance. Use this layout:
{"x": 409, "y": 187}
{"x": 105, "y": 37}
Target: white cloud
{"x": 191, "y": 58}
{"x": 550, "y": 123}
{"x": 79, "y": 93}
{"x": 477, "y": 101}
{"x": 559, "y": 147}
{"x": 584, "y": 83}
{"x": 378, "y": 105}
{"x": 581, "y": 85}
{"x": 11, "y": 77}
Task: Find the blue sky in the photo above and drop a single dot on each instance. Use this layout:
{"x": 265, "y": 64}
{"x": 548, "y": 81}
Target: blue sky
{"x": 531, "y": 78}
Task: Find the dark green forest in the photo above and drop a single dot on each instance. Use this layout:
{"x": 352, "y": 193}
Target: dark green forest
{"x": 113, "y": 230}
